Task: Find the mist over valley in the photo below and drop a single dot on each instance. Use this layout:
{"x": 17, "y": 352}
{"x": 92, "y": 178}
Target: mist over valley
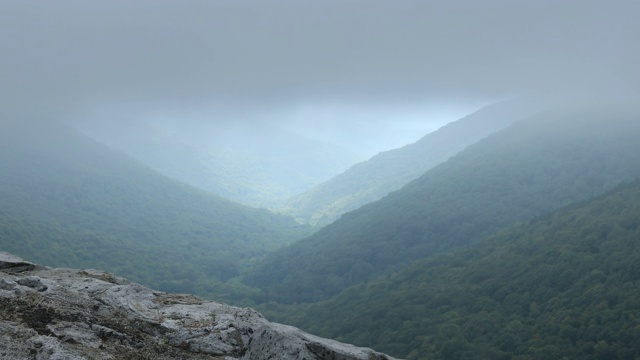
{"x": 429, "y": 179}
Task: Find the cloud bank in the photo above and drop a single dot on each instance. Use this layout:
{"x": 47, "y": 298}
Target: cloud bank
{"x": 61, "y": 56}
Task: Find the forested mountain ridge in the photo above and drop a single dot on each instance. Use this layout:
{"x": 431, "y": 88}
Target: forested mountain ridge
{"x": 112, "y": 210}
{"x": 257, "y": 164}
{"x": 388, "y": 171}
{"x": 528, "y": 169}
{"x": 564, "y": 286}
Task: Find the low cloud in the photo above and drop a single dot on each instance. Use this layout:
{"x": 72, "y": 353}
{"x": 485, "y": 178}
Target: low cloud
{"x": 78, "y": 56}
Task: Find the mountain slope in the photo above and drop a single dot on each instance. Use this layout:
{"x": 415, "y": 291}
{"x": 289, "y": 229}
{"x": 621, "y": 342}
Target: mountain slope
{"x": 389, "y": 171}
{"x": 166, "y": 234}
{"x": 255, "y": 164}
{"x": 562, "y": 286}
{"x": 528, "y": 169}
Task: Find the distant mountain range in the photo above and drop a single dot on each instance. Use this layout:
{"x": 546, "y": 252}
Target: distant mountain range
{"x": 388, "y": 171}
{"x": 253, "y": 163}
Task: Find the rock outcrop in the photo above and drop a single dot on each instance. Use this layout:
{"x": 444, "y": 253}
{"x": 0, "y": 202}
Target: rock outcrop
{"x": 48, "y": 313}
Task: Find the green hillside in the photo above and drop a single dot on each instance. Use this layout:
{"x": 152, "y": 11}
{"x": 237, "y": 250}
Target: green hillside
{"x": 565, "y": 286}
{"x": 389, "y": 171}
{"x": 101, "y": 207}
{"x": 528, "y": 169}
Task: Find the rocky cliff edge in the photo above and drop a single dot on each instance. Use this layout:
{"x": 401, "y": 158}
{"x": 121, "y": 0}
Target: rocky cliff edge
{"x": 48, "y": 313}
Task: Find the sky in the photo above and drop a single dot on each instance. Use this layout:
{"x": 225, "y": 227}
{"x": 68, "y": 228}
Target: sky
{"x": 292, "y": 61}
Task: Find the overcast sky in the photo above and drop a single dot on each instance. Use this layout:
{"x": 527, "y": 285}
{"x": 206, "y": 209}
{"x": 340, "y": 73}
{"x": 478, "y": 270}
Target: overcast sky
{"x": 237, "y": 57}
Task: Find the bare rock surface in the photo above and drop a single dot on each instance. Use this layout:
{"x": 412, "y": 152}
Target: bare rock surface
{"x": 50, "y": 313}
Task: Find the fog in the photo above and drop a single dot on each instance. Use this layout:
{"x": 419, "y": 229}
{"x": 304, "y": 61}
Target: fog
{"x": 367, "y": 74}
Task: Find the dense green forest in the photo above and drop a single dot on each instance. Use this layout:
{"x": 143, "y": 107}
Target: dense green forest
{"x": 526, "y": 170}
{"x": 564, "y": 286}
{"x": 69, "y": 201}
{"x": 389, "y": 171}
{"x": 429, "y": 271}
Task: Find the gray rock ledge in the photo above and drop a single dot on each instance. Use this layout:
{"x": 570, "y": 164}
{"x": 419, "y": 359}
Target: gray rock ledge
{"x": 52, "y": 314}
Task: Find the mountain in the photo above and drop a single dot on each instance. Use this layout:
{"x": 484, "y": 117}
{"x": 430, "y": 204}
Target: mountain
{"x": 253, "y": 163}
{"x": 526, "y": 170}
{"x": 67, "y": 200}
{"x": 88, "y": 314}
{"x": 564, "y": 286}
{"x": 388, "y": 171}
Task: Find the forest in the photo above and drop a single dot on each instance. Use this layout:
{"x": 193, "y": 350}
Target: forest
{"x": 388, "y": 171}
{"x": 562, "y": 286}
{"x": 70, "y": 201}
{"x": 519, "y": 246}
{"x": 533, "y": 167}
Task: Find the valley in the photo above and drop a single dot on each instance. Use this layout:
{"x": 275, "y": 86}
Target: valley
{"x": 529, "y": 223}
{"x": 320, "y": 180}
